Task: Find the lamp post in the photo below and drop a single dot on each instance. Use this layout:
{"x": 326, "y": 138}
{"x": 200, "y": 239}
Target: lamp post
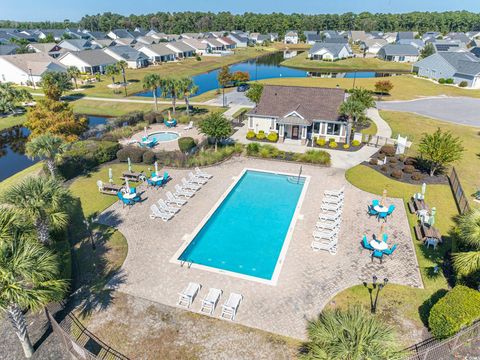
{"x": 354, "y": 78}
{"x": 31, "y": 77}
{"x": 379, "y": 287}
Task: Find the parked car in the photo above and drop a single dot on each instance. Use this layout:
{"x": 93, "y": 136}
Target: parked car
{"x": 243, "y": 87}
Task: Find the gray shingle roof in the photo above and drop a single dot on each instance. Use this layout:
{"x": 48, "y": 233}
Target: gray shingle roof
{"x": 399, "y": 50}
{"x": 8, "y": 49}
{"x": 160, "y": 49}
{"x": 94, "y": 57}
{"x": 182, "y": 46}
{"x": 333, "y": 48}
{"x": 127, "y": 52}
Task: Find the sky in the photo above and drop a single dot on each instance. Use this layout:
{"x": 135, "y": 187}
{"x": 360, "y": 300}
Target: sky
{"x": 58, "y": 10}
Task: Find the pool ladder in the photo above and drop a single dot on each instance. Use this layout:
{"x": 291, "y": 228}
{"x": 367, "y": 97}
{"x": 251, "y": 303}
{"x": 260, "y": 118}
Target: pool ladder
{"x": 188, "y": 262}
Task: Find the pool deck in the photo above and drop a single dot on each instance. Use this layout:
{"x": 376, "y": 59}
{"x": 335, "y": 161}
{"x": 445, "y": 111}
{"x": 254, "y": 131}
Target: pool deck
{"x": 308, "y": 279}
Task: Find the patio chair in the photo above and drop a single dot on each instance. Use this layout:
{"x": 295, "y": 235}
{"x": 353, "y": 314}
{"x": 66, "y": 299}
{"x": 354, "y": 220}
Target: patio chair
{"x": 125, "y": 202}
{"x": 325, "y": 234}
{"x": 391, "y": 208}
{"x": 331, "y": 246}
{"x": 365, "y": 243}
{"x": 341, "y": 196}
{"x": 372, "y": 211}
{"x": 186, "y": 297}
{"x": 171, "y": 199}
{"x": 168, "y": 209}
{"x": 375, "y": 203}
{"x": 330, "y": 217}
{"x": 196, "y": 180}
{"x": 230, "y": 307}
{"x": 390, "y": 250}
{"x": 377, "y": 254}
{"x": 335, "y": 193}
{"x": 100, "y": 185}
{"x": 328, "y": 225}
{"x": 189, "y": 126}
{"x": 331, "y": 207}
{"x": 431, "y": 242}
{"x": 157, "y": 213}
{"x": 210, "y": 301}
{"x": 383, "y": 216}
{"x": 190, "y": 186}
{"x": 202, "y": 174}
{"x": 179, "y": 191}
{"x": 332, "y": 200}
{"x": 166, "y": 177}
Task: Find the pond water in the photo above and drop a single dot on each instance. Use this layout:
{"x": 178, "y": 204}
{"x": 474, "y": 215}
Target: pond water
{"x": 266, "y": 67}
{"x": 12, "y": 148}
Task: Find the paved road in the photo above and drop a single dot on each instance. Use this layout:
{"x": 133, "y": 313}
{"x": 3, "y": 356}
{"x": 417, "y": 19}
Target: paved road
{"x": 458, "y": 110}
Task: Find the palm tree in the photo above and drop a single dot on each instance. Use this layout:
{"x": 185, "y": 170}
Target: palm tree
{"x": 112, "y": 70}
{"x": 74, "y": 74}
{"x": 170, "y": 87}
{"x": 122, "y": 65}
{"x": 29, "y": 278}
{"x": 187, "y": 88}
{"x": 352, "y": 109}
{"x": 46, "y": 146}
{"x": 353, "y": 334}
{"x": 10, "y": 97}
{"x": 152, "y": 82}
{"x": 468, "y": 262}
{"x": 42, "y": 201}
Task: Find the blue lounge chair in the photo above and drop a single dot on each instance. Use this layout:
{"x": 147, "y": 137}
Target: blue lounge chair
{"x": 375, "y": 203}
{"x": 390, "y": 250}
{"x": 382, "y": 216}
{"x": 365, "y": 243}
{"x": 377, "y": 254}
{"x": 390, "y": 209}
{"x": 150, "y": 182}
{"x": 384, "y": 237}
{"x": 372, "y": 211}
{"x": 125, "y": 201}
{"x": 153, "y": 143}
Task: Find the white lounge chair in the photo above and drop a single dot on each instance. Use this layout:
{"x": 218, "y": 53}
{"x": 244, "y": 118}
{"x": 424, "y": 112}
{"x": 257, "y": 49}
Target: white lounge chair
{"x": 186, "y": 297}
{"x": 189, "y": 126}
{"x": 196, "y": 180}
{"x": 331, "y": 247}
{"x": 325, "y": 234}
{"x": 168, "y": 209}
{"x": 332, "y": 200}
{"x": 179, "y": 191}
{"x": 189, "y": 186}
{"x": 202, "y": 174}
{"x": 210, "y": 301}
{"x": 328, "y": 225}
{"x": 341, "y": 196}
{"x": 330, "y": 217}
{"x": 331, "y": 207}
{"x": 157, "y": 213}
{"x": 172, "y": 199}
{"x": 230, "y": 307}
{"x": 335, "y": 193}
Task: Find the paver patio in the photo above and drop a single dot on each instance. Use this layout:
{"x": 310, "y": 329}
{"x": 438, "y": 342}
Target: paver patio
{"x": 307, "y": 280}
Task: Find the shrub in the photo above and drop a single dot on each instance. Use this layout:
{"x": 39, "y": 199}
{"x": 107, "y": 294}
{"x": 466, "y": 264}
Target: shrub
{"x": 373, "y": 161}
{"x": 355, "y": 143}
{"x": 417, "y": 176}
{"x": 441, "y": 81}
{"x": 381, "y": 157}
{"x": 408, "y": 169}
{"x": 198, "y": 58}
{"x": 392, "y": 166}
{"x": 253, "y": 148}
{"x": 272, "y": 137}
{"x": 261, "y": 135}
{"x": 331, "y": 140}
{"x": 150, "y": 117}
{"x": 384, "y": 168}
{"x": 250, "y": 134}
{"x": 131, "y": 118}
{"x": 463, "y": 83}
{"x": 315, "y": 157}
{"x": 401, "y": 158}
{"x": 159, "y": 118}
{"x": 460, "y": 307}
{"x": 388, "y": 150}
{"x": 135, "y": 154}
{"x": 392, "y": 160}
{"x": 397, "y": 174}
{"x": 183, "y": 119}
{"x": 186, "y": 144}
{"x": 410, "y": 161}
{"x": 321, "y": 142}
{"x": 346, "y": 146}
{"x": 148, "y": 157}
{"x": 332, "y": 144}
{"x": 449, "y": 81}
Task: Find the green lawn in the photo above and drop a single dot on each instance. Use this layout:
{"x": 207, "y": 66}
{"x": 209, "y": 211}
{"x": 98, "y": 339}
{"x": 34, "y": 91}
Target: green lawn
{"x": 414, "y": 126}
{"x": 371, "y": 129}
{"x": 10, "y": 121}
{"x": 406, "y": 87}
{"x": 352, "y": 64}
{"x": 402, "y": 306}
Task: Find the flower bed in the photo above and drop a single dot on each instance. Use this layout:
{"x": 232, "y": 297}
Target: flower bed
{"x": 333, "y": 145}
{"x": 317, "y": 157}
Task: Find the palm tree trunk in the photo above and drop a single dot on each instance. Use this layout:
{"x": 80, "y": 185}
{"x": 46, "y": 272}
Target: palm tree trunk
{"x": 113, "y": 80}
{"x": 174, "y": 103}
{"x": 43, "y": 231}
{"x": 76, "y": 85}
{"x": 216, "y": 142}
{"x": 51, "y": 166}
{"x": 187, "y": 102}
{"x": 349, "y": 130}
{"x": 17, "y": 319}
{"x": 155, "y": 99}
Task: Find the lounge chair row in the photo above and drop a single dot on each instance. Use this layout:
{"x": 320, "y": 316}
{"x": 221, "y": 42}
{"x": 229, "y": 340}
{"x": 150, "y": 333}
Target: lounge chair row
{"x": 210, "y": 301}
{"x": 325, "y": 235}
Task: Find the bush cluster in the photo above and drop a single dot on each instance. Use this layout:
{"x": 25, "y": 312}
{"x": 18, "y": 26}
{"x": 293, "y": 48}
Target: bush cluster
{"x": 441, "y": 81}
{"x": 271, "y": 152}
{"x": 463, "y": 84}
{"x": 148, "y": 157}
{"x": 321, "y": 142}
{"x": 449, "y": 81}
{"x": 272, "y": 137}
{"x": 355, "y": 143}
{"x": 186, "y": 144}
{"x": 131, "y": 118}
{"x": 408, "y": 169}
{"x": 397, "y": 174}
{"x": 373, "y": 161}
{"x": 261, "y": 135}
{"x": 387, "y": 150}
{"x": 332, "y": 144}
{"x": 135, "y": 154}
{"x": 460, "y": 307}
{"x": 250, "y": 134}
{"x": 417, "y": 176}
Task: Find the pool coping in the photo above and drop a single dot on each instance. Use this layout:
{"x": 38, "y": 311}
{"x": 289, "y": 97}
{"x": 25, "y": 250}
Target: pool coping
{"x": 188, "y": 238}
{"x": 165, "y": 131}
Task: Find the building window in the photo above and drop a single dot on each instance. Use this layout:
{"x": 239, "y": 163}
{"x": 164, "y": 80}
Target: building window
{"x": 401, "y": 58}
{"x": 316, "y": 127}
{"x": 333, "y": 129}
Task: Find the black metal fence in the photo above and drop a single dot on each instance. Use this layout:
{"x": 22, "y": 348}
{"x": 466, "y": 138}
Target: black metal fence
{"x": 458, "y": 193}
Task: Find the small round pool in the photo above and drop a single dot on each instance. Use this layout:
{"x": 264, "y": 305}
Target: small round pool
{"x": 164, "y": 136}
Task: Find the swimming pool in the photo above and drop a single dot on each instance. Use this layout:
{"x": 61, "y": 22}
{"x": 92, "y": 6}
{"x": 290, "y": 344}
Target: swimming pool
{"x": 248, "y": 232}
{"x": 164, "y": 136}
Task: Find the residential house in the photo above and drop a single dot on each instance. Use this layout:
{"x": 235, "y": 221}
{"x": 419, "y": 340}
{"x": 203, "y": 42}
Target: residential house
{"x": 298, "y": 114}
{"x": 253, "y": 37}
{"x": 273, "y": 36}
{"x": 398, "y": 53}
{"x": 390, "y": 37}
{"x": 331, "y": 34}
{"x": 214, "y": 45}
{"x": 158, "y": 53}
{"x": 139, "y": 32}
{"x": 310, "y": 33}
{"x": 57, "y": 34}
{"x": 228, "y": 43}
{"x": 147, "y": 40}
{"x": 417, "y": 43}
{"x": 460, "y": 36}
{"x": 181, "y": 49}
{"x": 200, "y": 47}
{"x": 475, "y": 51}
{"x": 358, "y": 36}
{"x": 431, "y": 35}
{"x": 291, "y": 37}
{"x": 191, "y": 35}
{"x": 103, "y": 43}
{"x": 8, "y": 49}
{"x": 405, "y": 35}
{"x": 459, "y": 66}
{"x": 335, "y": 40}
{"x": 52, "y": 49}
{"x": 88, "y": 61}
{"x": 263, "y": 38}
{"x": 120, "y": 34}
{"x": 97, "y": 35}
{"x": 125, "y": 41}
{"x": 215, "y": 34}
{"x": 313, "y": 38}
{"x": 329, "y": 52}
{"x": 372, "y": 46}
{"x": 29, "y": 36}
{"x": 448, "y": 45}
{"x": 77, "y": 45}
{"x": 172, "y": 37}
{"x": 25, "y": 69}
{"x": 240, "y": 40}
{"x": 473, "y": 34}
{"x": 134, "y": 58}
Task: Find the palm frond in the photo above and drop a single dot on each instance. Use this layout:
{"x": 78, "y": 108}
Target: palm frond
{"x": 466, "y": 262}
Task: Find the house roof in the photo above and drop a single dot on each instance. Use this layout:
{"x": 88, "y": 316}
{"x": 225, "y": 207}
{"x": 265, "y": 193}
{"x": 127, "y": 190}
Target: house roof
{"x": 43, "y": 47}
{"x": 147, "y": 40}
{"x": 213, "y": 42}
{"x": 195, "y": 43}
{"x": 314, "y": 37}
{"x": 97, "y": 35}
{"x": 125, "y": 41}
{"x": 372, "y": 42}
{"x": 8, "y": 49}
{"x": 93, "y": 57}
{"x": 238, "y": 37}
{"x": 335, "y": 40}
{"x": 231, "y": 42}
{"x": 400, "y": 50}
{"x": 77, "y": 43}
{"x": 467, "y": 67}
{"x": 37, "y": 63}
{"x": 122, "y": 33}
{"x": 127, "y": 53}
{"x": 160, "y": 49}
{"x": 418, "y": 43}
{"x": 458, "y": 36}
{"x": 291, "y": 33}
{"x": 475, "y": 51}
{"x": 405, "y": 35}
{"x": 103, "y": 42}
{"x": 308, "y": 102}
{"x": 181, "y": 46}
{"x": 333, "y": 48}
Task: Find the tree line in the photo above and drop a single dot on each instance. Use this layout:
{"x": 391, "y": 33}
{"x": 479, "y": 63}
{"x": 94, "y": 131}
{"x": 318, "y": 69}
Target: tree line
{"x": 180, "y": 22}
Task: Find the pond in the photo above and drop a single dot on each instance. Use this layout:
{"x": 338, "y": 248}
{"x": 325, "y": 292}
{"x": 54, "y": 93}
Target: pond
{"x": 266, "y": 67}
{"x": 12, "y": 148}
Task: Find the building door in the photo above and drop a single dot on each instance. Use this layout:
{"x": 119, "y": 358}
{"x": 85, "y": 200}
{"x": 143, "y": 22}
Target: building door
{"x": 295, "y": 132}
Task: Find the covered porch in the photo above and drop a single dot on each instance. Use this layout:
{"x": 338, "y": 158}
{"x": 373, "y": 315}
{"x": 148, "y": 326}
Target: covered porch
{"x": 293, "y": 128}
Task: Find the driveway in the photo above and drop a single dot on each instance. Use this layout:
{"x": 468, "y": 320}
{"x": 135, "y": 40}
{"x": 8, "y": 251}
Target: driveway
{"x": 458, "y": 110}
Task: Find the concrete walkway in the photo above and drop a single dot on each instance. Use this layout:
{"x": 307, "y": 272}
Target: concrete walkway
{"x": 457, "y": 110}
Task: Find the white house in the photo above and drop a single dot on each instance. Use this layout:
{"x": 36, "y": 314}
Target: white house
{"x": 398, "y": 53}
{"x": 158, "y": 53}
{"x": 52, "y": 49}
{"x": 329, "y": 51}
{"x": 77, "y": 45}
{"x": 88, "y": 61}
{"x": 134, "y": 58}
{"x": 214, "y": 44}
{"x": 240, "y": 41}
{"x": 372, "y": 46}
{"x": 299, "y": 114}
{"x": 181, "y": 49}
{"x": 291, "y": 37}
{"x": 200, "y": 47}
{"x": 25, "y": 69}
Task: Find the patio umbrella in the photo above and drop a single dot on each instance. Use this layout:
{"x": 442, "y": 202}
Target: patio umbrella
{"x": 424, "y": 188}
{"x": 110, "y": 175}
{"x": 431, "y": 219}
{"x": 384, "y": 197}
{"x": 129, "y": 165}
{"x": 127, "y": 186}
{"x": 145, "y": 131}
{"x": 156, "y": 169}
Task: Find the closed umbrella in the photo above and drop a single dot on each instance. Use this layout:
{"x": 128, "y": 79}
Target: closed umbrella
{"x": 129, "y": 165}
{"x": 110, "y": 175}
{"x": 424, "y": 189}
{"x": 127, "y": 186}
{"x": 431, "y": 219}
{"x": 384, "y": 197}
{"x": 156, "y": 169}
{"x": 145, "y": 131}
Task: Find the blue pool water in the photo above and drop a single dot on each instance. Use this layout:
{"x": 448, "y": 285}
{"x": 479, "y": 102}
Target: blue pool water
{"x": 164, "y": 136}
{"x": 246, "y": 233}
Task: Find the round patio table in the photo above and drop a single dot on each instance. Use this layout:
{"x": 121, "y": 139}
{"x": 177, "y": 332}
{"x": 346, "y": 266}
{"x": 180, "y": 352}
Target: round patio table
{"x": 130, "y": 196}
{"x": 380, "y": 209}
{"x": 156, "y": 178}
{"x": 379, "y": 245}
{"x": 147, "y": 142}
